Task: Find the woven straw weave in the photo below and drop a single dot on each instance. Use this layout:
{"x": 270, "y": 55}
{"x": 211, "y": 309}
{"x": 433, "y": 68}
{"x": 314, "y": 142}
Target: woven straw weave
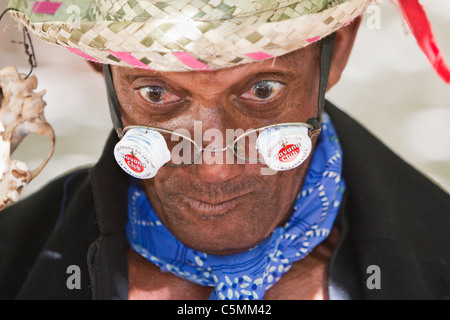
{"x": 186, "y": 35}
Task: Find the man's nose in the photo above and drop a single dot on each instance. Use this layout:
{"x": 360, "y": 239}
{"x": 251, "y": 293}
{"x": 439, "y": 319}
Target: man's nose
{"x": 217, "y": 162}
{"x": 215, "y": 167}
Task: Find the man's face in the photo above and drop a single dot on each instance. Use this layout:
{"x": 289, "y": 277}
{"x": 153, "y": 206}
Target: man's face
{"x": 222, "y": 208}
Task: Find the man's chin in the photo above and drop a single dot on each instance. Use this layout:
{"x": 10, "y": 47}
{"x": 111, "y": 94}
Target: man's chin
{"x": 222, "y": 232}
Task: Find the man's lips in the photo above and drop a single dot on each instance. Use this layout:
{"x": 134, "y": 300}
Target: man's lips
{"x": 212, "y": 207}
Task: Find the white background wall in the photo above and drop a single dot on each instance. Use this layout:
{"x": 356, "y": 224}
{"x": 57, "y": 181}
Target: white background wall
{"x": 389, "y": 86}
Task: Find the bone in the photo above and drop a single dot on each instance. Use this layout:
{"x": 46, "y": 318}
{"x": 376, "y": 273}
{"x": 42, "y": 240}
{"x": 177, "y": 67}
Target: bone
{"x": 21, "y": 113}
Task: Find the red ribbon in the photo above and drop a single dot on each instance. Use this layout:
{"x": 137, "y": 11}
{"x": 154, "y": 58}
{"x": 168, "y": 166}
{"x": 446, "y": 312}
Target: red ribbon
{"x": 417, "y": 20}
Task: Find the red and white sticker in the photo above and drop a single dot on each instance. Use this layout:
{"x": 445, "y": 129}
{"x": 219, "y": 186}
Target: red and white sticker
{"x": 289, "y": 152}
{"x": 134, "y": 163}
{"x": 134, "y": 160}
{"x": 141, "y": 153}
{"x": 284, "y": 148}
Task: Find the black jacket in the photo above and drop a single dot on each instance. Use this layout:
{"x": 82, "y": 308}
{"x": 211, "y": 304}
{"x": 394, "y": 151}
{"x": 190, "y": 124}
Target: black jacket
{"x": 392, "y": 217}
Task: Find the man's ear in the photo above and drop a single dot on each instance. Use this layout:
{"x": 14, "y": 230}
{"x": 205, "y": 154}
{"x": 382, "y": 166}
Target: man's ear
{"x": 96, "y": 66}
{"x": 345, "y": 37}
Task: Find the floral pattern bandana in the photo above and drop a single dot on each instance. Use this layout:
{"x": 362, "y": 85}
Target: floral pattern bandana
{"x": 248, "y": 275}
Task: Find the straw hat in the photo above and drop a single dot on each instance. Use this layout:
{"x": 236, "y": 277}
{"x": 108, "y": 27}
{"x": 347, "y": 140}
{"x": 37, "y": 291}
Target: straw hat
{"x": 183, "y": 35}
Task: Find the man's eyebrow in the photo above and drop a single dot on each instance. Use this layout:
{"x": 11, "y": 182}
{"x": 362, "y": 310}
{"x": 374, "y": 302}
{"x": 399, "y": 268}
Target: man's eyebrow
{"x": 294, "y": 57}
{"x": 133, "y": 75}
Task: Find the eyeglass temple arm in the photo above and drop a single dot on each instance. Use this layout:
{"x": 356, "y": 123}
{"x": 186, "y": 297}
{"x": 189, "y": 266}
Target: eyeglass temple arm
{"x": 113, "y": 101}
{"x": 326, "y": 56}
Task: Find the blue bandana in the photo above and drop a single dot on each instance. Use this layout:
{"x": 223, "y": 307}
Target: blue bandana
{"x": 249, "y": 274}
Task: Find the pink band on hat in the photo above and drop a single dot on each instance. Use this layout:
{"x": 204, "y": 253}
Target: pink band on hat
{"x": 259, "y": 56}
{"x": 347, "y": 23}
{"x": 47, "y": 7}
{"x": 191, "y": 62}
{"x": 311, "y": 40}
{"x": 82, "y": 54}
{"x": 128, "y": 58}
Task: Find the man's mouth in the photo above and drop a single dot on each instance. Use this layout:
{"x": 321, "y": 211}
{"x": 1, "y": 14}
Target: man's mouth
{"x": 212, "y": 207}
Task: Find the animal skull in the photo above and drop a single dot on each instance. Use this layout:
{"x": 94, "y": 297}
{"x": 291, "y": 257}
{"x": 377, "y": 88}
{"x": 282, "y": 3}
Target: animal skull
{"x": 21, "y": 113}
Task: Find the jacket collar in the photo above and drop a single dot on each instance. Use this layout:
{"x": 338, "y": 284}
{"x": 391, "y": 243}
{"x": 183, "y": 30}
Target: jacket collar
{"x": 107, "y": 257}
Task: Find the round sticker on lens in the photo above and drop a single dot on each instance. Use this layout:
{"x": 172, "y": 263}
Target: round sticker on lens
{"x": 284, "y": 148}
{"x": 141, "y": 153}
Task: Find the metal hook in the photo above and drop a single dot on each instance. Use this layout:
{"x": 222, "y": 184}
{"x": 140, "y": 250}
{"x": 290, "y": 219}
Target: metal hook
{"x": 27, "y": 43}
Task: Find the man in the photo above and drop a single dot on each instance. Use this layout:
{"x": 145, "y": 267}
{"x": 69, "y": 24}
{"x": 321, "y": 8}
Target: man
{"x": 226, "y": 229}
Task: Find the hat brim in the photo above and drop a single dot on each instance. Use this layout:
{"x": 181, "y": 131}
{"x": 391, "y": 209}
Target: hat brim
{"x": 175, "y": 41}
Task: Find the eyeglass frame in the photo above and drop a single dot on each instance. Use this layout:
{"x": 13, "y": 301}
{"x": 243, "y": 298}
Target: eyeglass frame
{"x": 199, "y": 150}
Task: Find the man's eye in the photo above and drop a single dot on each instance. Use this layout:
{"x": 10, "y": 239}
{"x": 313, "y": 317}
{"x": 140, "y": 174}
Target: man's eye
{"x": 157, "y": 94}
{"x": 263, "y": 90}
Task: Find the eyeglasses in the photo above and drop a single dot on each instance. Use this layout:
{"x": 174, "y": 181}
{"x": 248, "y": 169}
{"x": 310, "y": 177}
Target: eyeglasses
{"x": 280, "y": 145}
